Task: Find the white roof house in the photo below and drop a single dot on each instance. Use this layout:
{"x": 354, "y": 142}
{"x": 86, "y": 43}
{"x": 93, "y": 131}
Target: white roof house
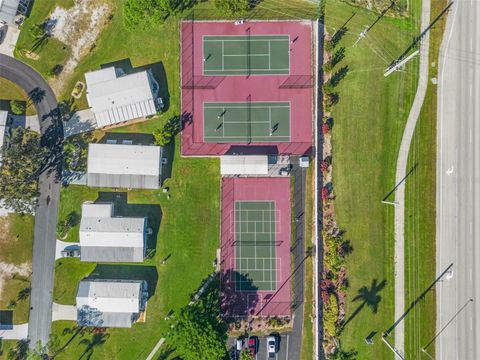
{"x": 115, "y": 98}
{"x": 104, "y": 238}
{"x": 110, "y": 303}
{"x": 124, "y": 166}
{"x": 8, "y": 10}
{"x": 244, "y": 165}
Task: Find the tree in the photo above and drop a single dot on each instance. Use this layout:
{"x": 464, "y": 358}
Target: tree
{"x": 146, "y": 14}
{"x": 233, "y": 7}
{"x": 164, "y": 135}
{"x": 199, "y": 332}
{"x": 17, "y": 107}
{"x": 22, "y": 163}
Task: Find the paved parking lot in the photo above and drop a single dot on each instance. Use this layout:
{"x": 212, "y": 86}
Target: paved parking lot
{"x": 282, "y": 353}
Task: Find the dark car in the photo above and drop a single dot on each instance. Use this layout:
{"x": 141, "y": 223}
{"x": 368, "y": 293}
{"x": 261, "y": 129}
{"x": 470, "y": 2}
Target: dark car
{"x": 253, "y": 344}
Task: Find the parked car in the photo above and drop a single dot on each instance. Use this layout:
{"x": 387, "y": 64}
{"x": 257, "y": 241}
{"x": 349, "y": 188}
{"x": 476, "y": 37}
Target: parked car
{"x": 253, "y": 345}
{"x": 70, "y": 253}
{"x": 271, "y": 346}
{"x": 239, "y": 344}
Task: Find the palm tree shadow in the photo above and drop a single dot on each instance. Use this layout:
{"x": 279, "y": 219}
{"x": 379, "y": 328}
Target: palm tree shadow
{"x": 369, "y": 296}
{"x": 98, "y": 339}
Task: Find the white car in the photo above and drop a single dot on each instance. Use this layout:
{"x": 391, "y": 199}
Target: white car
{"x": 271, "y": 346}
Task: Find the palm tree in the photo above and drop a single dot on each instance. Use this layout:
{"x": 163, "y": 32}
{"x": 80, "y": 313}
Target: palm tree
{"x": 369, "y": 298}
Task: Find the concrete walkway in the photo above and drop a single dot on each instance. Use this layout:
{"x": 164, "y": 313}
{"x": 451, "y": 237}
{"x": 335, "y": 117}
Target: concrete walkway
{"x": 17, "y": 332}
{"x": 64, "y": 312}
{"x": 401, "y": 172}
{"x": 80, "y": 122}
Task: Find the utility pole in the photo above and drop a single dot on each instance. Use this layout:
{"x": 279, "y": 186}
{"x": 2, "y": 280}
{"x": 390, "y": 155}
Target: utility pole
{"x": 399, "y": 63}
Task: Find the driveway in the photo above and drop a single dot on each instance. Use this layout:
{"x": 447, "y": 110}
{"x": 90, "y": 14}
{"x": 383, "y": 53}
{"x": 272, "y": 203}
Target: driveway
{"x": 64, "y": 312}
{"x": 9, "y": 40}
{"x": 17, "y": 332}
{"x": 43, "y": 259}
{"x": 65, "y": 245}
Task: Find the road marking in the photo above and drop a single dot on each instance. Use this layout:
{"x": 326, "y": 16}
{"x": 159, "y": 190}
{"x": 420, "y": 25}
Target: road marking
{"x": 449, "y": 171}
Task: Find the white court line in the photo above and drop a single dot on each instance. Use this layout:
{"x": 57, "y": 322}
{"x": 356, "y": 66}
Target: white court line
{"x": 243, "y": 55}
{"x": 267, "y": 73}
{"x": 242, "y": 40}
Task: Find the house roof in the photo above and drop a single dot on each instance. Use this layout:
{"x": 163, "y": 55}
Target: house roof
{"x": 244, "y": 165}
{"x": 110, "y": 296}
{"x": 124, "y": 166}
{"x": 8, "y": 10}
{"x": 116, "y": 99}
{"x": 110, "y": 239}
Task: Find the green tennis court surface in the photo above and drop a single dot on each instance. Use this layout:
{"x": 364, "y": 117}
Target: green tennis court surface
{"x": 246, "y": 122}
{"x": 246, "y": 55}
{"x": 255, "y": 261}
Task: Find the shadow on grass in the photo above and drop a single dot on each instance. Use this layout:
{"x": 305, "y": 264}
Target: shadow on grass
{"x": 369, "y": 296}
{"x": 169, "y": 155}
{"x": 122, "y": 208}
{"x": 127, "y": 272}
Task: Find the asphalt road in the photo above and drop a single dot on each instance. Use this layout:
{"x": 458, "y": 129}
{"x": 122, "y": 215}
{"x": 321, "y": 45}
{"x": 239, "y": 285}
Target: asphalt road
{"x": 43, "y": 259}
{"x": 298, "y": 251}
{"x": 458, "y": 185}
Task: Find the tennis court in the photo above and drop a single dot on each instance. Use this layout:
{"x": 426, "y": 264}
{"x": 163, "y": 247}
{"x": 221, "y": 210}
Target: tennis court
{"x": 255, "y": 246}
{"x": 246, "y": 122}
{"x": 246, "y": 55}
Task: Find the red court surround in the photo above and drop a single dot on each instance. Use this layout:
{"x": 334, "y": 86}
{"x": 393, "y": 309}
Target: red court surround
{"x": 259, "y": 303}
{"x": 237, "y": 88}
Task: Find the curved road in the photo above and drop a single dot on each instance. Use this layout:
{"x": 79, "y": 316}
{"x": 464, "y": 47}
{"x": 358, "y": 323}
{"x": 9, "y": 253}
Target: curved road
{"x": 43, "y": 259}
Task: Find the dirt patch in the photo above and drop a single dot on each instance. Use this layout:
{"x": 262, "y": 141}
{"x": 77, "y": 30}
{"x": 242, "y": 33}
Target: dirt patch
{"x": 7, "y": 271}
{"x": 78, "y": 27}
{"x": 4, "y": 228}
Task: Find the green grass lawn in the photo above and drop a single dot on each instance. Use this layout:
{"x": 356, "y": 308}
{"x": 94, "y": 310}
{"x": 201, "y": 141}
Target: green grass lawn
{"x": 368, "y": 124}
{"x": 16, "y": 242}
{"x": 188, "y": 231}
{"x": 420, "y": 226}
{"x": 10, "y": 91}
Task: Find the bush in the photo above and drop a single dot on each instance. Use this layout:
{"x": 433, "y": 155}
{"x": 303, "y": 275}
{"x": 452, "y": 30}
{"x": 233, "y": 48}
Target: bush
{"x": 146, "y": 14}
{"x": 17, "y": 107}
{"x": 324, "y": 165}
{"x": 325, "y": 128}
{"x": 330, "y": 315}
{"x": 233, "y": 7}
{"x": 328, "y": 45}
{"x": 327, "y": 67}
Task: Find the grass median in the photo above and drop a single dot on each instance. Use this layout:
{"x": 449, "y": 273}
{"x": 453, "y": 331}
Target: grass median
{"x": 420, "y": 214}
